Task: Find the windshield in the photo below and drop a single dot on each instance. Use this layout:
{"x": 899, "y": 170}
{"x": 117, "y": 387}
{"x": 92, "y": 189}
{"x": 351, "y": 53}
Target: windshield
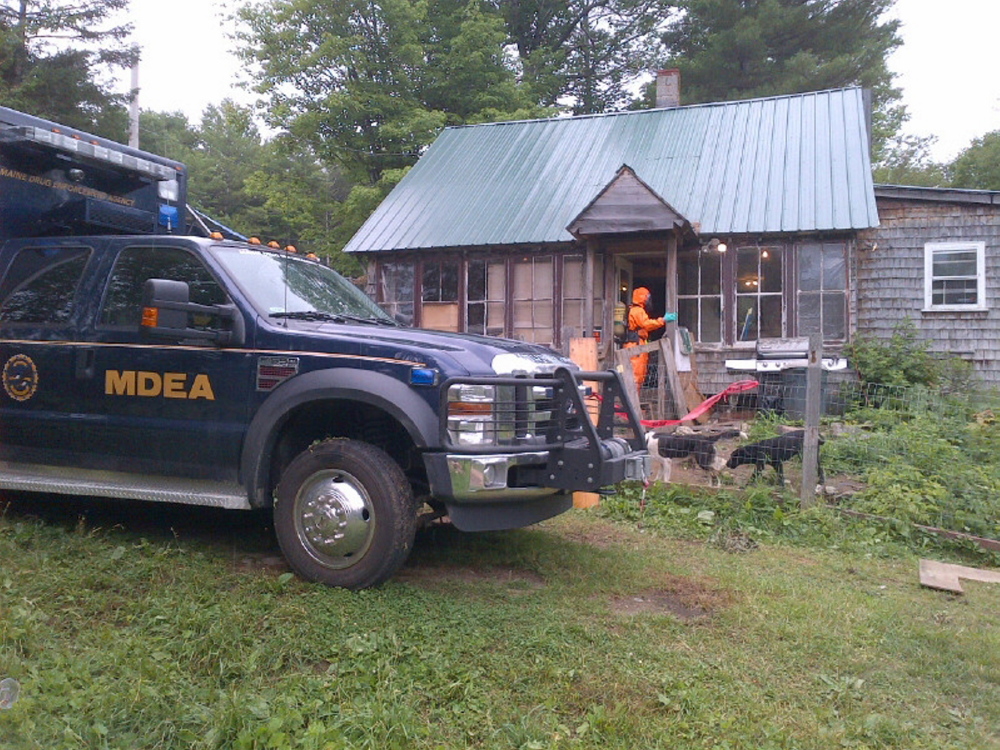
{"x": 289, "y": 286}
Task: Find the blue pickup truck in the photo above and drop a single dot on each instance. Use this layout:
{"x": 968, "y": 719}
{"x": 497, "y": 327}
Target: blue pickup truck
{"x": 143, "y": 361}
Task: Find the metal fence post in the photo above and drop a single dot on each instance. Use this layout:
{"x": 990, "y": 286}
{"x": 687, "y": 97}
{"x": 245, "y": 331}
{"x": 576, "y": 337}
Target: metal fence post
{"x": 814, "y": 396}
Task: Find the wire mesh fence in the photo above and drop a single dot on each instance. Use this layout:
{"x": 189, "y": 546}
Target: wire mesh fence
{"x": 926, "y": 455}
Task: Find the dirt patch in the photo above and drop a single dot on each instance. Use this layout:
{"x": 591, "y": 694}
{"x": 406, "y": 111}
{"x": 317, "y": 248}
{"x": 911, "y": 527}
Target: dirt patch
{"x": 686, "y": 598}
{"x": 429, "y": 576}
{"x": 657, "y": 602}
{"x": 261, "y": 561}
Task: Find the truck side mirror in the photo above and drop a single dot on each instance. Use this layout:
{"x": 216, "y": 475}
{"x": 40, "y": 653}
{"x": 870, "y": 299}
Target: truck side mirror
{"x": 167, "y": 309}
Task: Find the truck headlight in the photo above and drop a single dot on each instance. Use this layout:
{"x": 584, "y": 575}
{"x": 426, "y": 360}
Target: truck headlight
{"x": 472, "y": 414}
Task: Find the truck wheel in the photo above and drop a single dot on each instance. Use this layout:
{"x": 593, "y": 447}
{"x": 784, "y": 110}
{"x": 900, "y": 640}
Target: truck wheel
{"x": 344, "y": 514}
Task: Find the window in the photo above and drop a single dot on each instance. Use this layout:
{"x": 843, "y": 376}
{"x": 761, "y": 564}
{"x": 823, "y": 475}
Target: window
{"x": 699, "y": 293}
{"x": 574, "y": 298}
{"x": 485, "y": 303}
{"x": 822, "y": 290}
{"x": 439, "y": 294}
{"x": 41, "y": 284}
{"x": 123, "y": 299}
{"x": 532, "y": 296}
{"x": 759, "y": 298}
{"x": 954, "y": 276}
{"x": 395, "y": 290}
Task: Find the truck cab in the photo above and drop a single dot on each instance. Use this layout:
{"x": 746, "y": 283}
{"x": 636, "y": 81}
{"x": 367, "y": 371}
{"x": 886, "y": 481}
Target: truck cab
{"x": 164, "y": 366}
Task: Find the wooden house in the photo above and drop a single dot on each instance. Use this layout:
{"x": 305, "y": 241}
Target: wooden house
{"x": 741, "y": 217}
{"x": 935, "y": 259}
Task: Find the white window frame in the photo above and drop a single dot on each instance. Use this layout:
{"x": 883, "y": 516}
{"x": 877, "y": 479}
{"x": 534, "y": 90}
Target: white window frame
{"x": 930, "y": 248}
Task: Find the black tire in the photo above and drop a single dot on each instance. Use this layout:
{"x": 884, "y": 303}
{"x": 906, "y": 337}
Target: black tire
{"x": 344, "y": 514}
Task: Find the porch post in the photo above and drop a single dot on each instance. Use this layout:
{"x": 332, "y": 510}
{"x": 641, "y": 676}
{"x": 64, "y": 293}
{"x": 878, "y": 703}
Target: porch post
{"x": 588, "y": 288}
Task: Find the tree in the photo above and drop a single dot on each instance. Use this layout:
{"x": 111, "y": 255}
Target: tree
{"x": 368, "y": 84}
{"x": 906, "y": 160}
{"x": 738, "y": 49}
{"x": 53, "y": 54}
{"x": 274, "y": 189}
{"x": 586, "y": 51}
{"x": 978, "y": 166}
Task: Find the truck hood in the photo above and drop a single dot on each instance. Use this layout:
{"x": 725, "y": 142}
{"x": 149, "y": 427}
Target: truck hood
{"x": 455, "y": 353}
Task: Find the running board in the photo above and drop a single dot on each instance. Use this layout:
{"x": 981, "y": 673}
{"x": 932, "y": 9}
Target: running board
{"x": 87, "y": 482}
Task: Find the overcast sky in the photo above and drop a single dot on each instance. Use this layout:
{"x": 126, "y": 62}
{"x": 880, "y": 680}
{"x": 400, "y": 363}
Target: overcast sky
{"x": 950, "y": 86}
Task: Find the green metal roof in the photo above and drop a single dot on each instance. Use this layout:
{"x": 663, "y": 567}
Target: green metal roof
{"x": 794, "y": 163}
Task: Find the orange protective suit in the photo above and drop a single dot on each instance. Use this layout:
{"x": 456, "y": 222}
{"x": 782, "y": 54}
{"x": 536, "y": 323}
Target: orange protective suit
{"x": 639, "y": 321}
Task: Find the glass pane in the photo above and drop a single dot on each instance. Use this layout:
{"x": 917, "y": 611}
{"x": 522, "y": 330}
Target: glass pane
{"x": 687, "y": 272}
{"x": 746, "y": 318}
{"x": 543, "y": 316}
{"x": 687, "y": 314}
{"x": 955, "y": 263}
{"x": 523, "y": 317}
{"x": 41, "y": 284}
{"x": 477, "y": 281}
{"x": 573, "y": 315}
{"x": 544, "y": 283}
{"x": 809, "y": 268}
{"x": 522, "y": 280}
{"x": 834, "y": 267}
{"x": 711, "y": 272}
{"x": 495, "y": 318}
{"x": 771, "y": 317}
{"x": 834, "y": 317}
{"x": 573, "y": 278}
{"x": 403, "y": 313}
{"x": 123, "y": 303}
{"x": 711, "y": 319}
{"x": 397, "y": 282}
{"x": 432, "y": 282}
{"x": 955, "y": 292}
{"x": 770, "y": 269}
{"x": 477, "y": 317}
{"x": 496, "y": 282}
{"x": 809, "y": 314}
{"x": 747, "y": 270}
{"x": 449, "y": 282}
{"x": 598, "y": 314}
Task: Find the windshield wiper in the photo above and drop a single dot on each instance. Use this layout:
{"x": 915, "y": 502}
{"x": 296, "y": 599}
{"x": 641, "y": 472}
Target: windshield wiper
{"x": 375, "y": 321}
{"x": 316, "y": 315}
{"x": 309, "y": 315}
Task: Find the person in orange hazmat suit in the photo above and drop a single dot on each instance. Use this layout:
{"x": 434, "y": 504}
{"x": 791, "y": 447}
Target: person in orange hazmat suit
{"x": 639, "y": 327}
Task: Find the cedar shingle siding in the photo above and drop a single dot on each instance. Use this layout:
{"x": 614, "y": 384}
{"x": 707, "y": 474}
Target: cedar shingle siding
{"x": 890, "y": 278}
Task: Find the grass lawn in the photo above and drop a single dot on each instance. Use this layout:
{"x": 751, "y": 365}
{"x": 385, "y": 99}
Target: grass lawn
{"x": 181, "y": 628}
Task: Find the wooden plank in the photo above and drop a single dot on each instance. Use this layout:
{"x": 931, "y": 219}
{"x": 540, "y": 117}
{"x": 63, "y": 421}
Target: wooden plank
{"x": 810, "y": 446}
{"x": 673, "y": 377}
{"x": 583, "y": 351}
{"x": 944, "y": 576}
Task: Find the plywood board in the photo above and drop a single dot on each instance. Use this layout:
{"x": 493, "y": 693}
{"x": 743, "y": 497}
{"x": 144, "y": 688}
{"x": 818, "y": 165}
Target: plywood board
{"x": 583, "y": 351}
{"x": 945, "y": 576}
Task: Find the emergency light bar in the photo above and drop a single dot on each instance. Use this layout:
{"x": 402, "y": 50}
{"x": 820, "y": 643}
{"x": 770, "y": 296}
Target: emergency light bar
{"x": 96, "y": 152}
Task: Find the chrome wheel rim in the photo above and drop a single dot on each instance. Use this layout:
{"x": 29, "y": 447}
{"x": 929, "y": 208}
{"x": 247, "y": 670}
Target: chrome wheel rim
{"x": 334, "y": 519}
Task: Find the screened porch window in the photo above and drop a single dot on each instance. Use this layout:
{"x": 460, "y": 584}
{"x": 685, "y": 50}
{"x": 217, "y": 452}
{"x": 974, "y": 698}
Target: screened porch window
{"x": 439, "y": 294}
{"x": 954, "y": 276}
{"x": 485, "y": 297}
{"x": 395, "y": 290}
{"x": 822, "y": 290}
{"x": 574, "y": 297}
{"x": 699, "y": 293}
{"x": 532, "y": 300}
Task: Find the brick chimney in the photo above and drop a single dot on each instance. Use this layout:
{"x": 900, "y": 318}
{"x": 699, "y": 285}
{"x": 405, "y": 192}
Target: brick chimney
{"x": 668, "y": 88}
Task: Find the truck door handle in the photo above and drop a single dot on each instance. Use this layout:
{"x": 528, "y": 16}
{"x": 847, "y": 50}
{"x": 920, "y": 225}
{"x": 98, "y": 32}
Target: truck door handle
{"x": 84, "y": 364}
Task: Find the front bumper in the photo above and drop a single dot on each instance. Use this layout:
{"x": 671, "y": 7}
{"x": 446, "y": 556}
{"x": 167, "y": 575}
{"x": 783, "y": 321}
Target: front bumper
{"x": 565, "y": 453}
{"x": 495, "y": 476}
